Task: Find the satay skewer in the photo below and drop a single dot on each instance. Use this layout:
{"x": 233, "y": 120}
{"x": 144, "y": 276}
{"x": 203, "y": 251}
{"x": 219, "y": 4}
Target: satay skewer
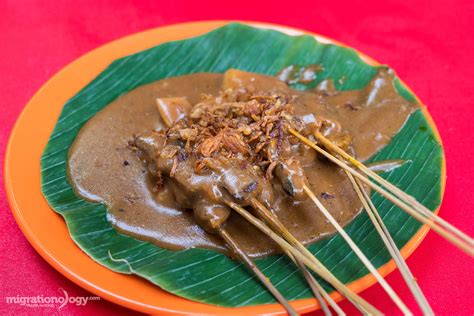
{"x": 391, "y": 246}
{"x": 234, "y": 247}
{"x": 319, "y": 289}
{"x": 313, "y": 284}
{"x": 308, "y": 259}
{"x": 273, "y": 221}
{"x": 267, "y": 216}
{"x": 392, "y": 188}
{"x": 315, "y": 287}
{"x": 467, "y": 246}
{"x": 319, "y": 292}
{"x": 388, "y": 289}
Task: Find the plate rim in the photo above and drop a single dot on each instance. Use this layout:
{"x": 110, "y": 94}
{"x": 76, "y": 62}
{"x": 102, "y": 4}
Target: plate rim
{"x": 302, "y": 305}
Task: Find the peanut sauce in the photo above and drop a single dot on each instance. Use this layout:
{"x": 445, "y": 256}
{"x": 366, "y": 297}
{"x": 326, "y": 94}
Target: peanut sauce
{"x": 103, "y": 168}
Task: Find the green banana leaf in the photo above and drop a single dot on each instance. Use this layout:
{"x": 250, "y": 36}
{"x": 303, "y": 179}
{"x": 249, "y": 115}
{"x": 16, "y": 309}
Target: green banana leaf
{"x": 208, "y": 276}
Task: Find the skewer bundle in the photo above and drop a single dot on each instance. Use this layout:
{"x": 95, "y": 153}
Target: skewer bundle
{"x": 215, "y": 129}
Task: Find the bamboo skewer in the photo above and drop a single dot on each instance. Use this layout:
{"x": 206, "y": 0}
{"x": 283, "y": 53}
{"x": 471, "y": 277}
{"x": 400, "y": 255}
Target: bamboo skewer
{"x": 308, "y": 259}
{"x": 391, "y": 246}
{"x": 468, "y": 247}
{"x": 275, "y": 224}
{"x": 393, "y": 295}
{"x": 271, "y": 220}
{"x": 323, "y": 292}
{"x": 394, "y": 189}
{"x": 251, "y": 264}
{"x": 314, "y": 285}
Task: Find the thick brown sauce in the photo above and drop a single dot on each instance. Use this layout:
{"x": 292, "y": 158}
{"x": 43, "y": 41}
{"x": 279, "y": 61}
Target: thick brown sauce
{"x": 103, "y": 168}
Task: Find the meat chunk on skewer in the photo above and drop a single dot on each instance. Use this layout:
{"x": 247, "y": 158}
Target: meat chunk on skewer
{"x": 231, "y": 147}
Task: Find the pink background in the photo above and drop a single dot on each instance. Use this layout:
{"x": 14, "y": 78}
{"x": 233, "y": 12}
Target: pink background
{"x": 429, "y": 43}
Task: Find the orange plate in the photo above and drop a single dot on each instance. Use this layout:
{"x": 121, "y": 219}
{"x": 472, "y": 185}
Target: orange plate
{"x": 46, "y": 230}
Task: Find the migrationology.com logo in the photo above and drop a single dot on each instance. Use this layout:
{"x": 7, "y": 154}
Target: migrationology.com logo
{"x": 50, "y": 301}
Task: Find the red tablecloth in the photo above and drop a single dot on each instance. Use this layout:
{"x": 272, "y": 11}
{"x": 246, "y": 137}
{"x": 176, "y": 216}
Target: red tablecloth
{"x": 429, "y": 43}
